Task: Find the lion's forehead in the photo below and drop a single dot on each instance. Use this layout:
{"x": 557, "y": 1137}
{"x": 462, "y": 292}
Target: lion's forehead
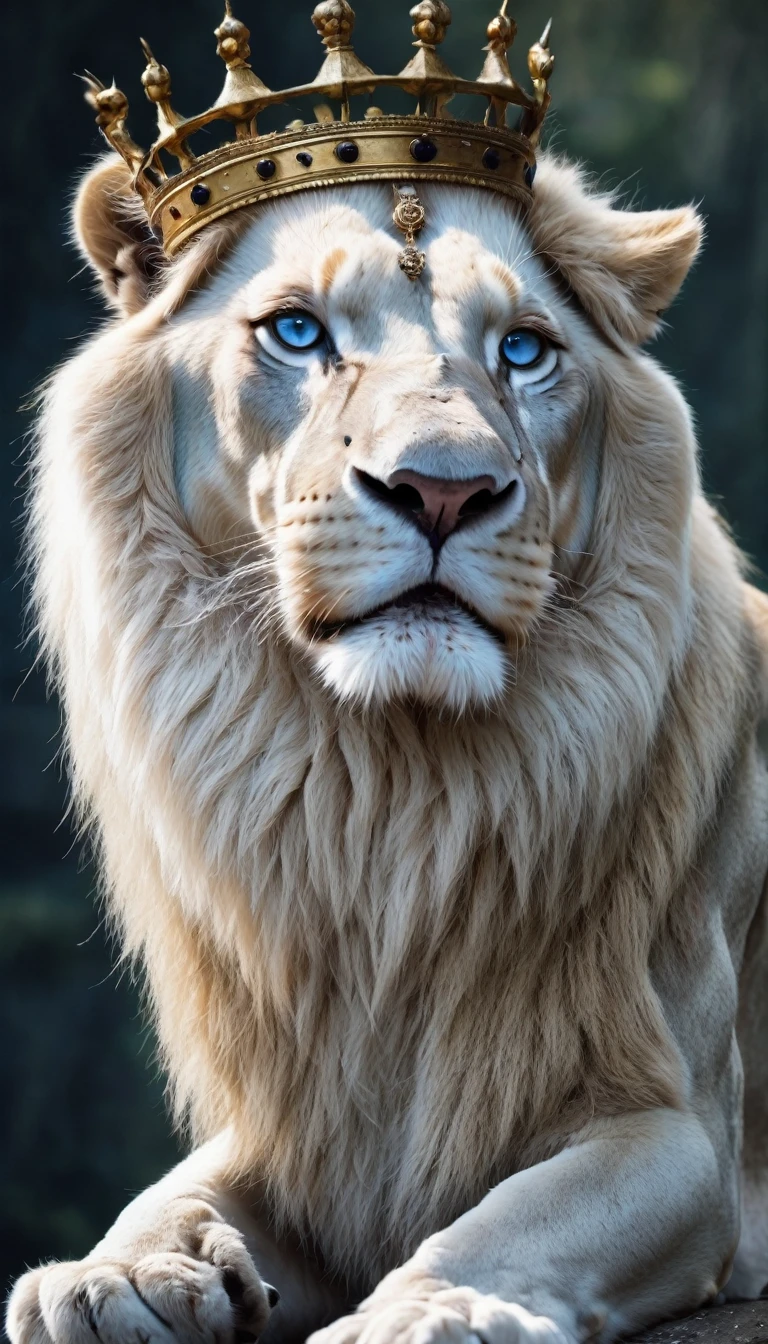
{"x": 343, "y": 255}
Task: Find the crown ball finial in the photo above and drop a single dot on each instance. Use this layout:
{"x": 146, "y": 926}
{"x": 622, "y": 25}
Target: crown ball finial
{"x": 334, "y": 21}
{"x": 155, "y": 78}
{"x": 430, "y": 22}
{"x": 541, "y": 62}
{"x": 233, "y": 40}
{"x": 501, "y": 31}
{"x": 109, "y": 104}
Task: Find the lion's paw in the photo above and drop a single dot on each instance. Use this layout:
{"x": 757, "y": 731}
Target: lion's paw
{"x": 447, "y": 1316}
{"x": 162, "y": 1298}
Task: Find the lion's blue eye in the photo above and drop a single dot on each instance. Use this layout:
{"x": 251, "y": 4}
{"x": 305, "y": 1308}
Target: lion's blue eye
{"x": 298, "y": 331}
{"x": 522, "y": 348}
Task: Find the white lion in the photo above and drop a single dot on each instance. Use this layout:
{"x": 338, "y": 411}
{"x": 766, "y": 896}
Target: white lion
{"x": 413, "y": 691}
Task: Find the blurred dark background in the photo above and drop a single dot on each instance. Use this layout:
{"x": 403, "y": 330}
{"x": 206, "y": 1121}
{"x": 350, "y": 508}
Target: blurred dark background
{"x": 665, "y": 99}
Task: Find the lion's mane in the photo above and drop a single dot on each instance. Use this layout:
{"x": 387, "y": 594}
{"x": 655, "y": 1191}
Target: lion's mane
{"x": 400, "y": 956}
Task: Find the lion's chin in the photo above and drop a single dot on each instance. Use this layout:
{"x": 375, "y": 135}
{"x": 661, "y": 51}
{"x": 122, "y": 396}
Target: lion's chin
{"x": 437, "y": 655}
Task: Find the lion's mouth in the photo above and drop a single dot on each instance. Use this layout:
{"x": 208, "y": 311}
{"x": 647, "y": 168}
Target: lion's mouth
{"x": 427, "y": 599}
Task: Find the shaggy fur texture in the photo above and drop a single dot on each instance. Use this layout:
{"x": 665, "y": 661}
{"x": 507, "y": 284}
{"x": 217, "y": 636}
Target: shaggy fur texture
{"x": 402, "y": 954}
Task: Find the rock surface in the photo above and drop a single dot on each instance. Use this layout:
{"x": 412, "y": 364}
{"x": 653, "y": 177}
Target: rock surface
{"x": 734, "y": 1323}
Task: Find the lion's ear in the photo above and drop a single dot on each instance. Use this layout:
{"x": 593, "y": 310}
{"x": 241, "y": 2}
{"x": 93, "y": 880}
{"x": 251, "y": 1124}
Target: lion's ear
{"x": 112, "y": 232}
{"x": 624, "y": 266}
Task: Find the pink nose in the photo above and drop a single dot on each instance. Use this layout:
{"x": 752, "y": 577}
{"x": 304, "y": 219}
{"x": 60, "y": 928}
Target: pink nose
{"x": 438, "y": 505}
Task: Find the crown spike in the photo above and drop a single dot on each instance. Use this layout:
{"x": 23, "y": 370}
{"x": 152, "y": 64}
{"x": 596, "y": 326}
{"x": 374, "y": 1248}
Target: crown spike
{"x": 335, "y": 22}
{"x": 431, "y": 19}
{"x": 157, "y": 86}
{"x": 111, "y": 108}
{"x": 501, "y": 33}
{"x": 541, "y": 63}
{"x": 242, "y": 88}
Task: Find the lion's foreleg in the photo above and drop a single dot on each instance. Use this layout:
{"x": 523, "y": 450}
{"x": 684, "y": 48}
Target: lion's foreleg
{"x": 187, "y": 1260}
{"x": 632, "y": 1222}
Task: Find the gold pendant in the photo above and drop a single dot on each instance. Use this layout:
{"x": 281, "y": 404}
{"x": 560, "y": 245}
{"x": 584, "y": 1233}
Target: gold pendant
{"x": 409, "y": 217}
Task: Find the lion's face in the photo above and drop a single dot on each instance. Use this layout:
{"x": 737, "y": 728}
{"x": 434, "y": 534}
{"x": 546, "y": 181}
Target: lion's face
{"x": 408, "y": 452}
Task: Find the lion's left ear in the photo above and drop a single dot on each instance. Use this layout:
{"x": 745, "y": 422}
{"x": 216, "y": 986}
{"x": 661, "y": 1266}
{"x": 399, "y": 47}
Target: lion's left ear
{"x": 624, "y": 266}
{"x": 113, "y": 235}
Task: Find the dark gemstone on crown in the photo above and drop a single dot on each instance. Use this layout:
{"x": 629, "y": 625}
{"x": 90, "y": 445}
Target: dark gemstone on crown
{"x": 200, "y": 194}
{"x": 304, "y": 158}
{"x": 529, "y": 172}
{"x": 347, "y": 151}
{"x": 174, "y": 212}
{"x": 266, "y": 168}
{"x": 491, "y": 158}
{"x": 423, "y": 150}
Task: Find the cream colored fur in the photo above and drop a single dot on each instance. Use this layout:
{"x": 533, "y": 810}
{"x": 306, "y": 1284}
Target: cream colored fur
{"x": 413, "y": 930}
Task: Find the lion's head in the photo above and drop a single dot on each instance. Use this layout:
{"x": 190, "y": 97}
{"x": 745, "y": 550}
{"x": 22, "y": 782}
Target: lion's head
{"x": 409, "y": 469}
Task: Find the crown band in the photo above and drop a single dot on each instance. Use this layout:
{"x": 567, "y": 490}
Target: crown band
{"x": 247, "y": 172}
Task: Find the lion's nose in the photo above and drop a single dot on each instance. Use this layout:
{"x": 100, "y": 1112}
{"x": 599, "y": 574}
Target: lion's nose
{"x": 436, "y": 505}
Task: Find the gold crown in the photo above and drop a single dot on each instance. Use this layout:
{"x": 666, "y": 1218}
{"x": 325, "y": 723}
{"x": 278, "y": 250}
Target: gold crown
{"x": 426, "y": 145}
